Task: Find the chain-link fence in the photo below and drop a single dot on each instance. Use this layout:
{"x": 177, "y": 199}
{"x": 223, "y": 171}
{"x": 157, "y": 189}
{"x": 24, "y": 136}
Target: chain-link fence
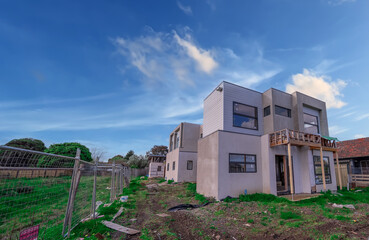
{"x": 47, "y": 195}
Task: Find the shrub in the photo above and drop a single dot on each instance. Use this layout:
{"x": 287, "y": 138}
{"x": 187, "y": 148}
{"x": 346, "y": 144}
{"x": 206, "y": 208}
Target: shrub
{"x": 27, "y": 143}
{"x": 70, "y": 150}
{"x": 289, "y": 215}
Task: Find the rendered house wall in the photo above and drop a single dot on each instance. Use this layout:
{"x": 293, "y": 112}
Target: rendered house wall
{"x": 172, "y": 156}
{"x": 185, "y": 175}
{"x": 153, "y": 169}
{"x": 207, "y": 165}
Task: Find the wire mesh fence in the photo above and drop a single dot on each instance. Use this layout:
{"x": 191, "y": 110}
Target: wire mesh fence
{"x": 49, "y": 193}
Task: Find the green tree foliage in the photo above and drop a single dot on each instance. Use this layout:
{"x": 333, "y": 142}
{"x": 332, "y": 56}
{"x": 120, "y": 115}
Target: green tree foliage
{"x": 70, "y": 149}
{"x": 136, "y": 161}
{"x": 27, "y": 143}
{"x": 129, "y": 154}
{"x": 158, "y": 150}
{"x": 119, "y": 159}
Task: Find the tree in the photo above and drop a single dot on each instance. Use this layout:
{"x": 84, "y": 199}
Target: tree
{"x": 158, "y": 150}
{"x": 119, "y": 159}
{"x": 136, "y": 161}
{"x": 27, "y": 143}
{"x": 129, "y": 154}
{"x": 70, "y": 149}
{"x": 22, "y": 159}
{"x": 97, "y": 154}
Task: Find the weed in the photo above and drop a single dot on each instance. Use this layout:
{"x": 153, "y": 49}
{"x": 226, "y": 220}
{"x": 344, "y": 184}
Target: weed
{"x": 251, "y": 221}
{"x": 170, "y": 181}
{"x": 289, "y": 215}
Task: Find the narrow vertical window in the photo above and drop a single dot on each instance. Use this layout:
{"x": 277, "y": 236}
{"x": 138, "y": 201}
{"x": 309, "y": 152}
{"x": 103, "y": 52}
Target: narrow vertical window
{"x": 189, "y": 165}
{"x": 174, "y": 166}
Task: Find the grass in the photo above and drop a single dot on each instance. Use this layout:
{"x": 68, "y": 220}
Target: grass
{"x": 26, "y": 202}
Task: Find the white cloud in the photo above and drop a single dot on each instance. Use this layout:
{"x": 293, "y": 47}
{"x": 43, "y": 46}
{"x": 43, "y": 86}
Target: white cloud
{"x": 336, "y": 130}
{"x": 203, "y": 57}
{"x": 318, "y": 86}
{"x": 362, "y": 116}
{"x": 359, "y": 136}
{"x": 186, "y": 9}
{"x": 340, "y": 2}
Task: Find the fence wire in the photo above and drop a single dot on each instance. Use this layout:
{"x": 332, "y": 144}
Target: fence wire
{"x": 35, "y": 190}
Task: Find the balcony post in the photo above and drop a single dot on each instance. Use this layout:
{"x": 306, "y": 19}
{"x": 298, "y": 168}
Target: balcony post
{"x": 322, "y": 165}
{"x": 290, "y": 167}
{"x": 339, "y": 171}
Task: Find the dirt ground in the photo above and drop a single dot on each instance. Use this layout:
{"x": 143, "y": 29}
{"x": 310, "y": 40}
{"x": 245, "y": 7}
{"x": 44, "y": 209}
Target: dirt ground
{"x": 236, "y": 220}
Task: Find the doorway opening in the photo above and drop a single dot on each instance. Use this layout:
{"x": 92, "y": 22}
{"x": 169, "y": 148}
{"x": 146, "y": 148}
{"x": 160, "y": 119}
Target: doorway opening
{"x": 282, "y": 174}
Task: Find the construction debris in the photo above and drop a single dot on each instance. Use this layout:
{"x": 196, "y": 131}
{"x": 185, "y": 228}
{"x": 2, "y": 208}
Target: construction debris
{"x": 118, "y": 214}
{"x": 163, "y": 215}
{"x": 350, "y": 206}
{"x": 186, "y": 207}
{"x": 120, "y": 228}
{"x": 107, "y": 204}
{"x": 123, "y": 198}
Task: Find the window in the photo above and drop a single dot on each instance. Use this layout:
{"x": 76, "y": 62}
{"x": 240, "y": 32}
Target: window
{"x": 176, "y": 139}
{"x": 318, "y": 171}
{"x": 266, "y": 111}
{"x": 189, "y": 165}
{"x": 168, "y": 167}
{"x": 245, "y": 116}
{"x": 282, "y": 111}
{"x": 242, "y": 163}
{"x": 159, "y": 169}
{"x": 171, "y": 143}
{"x": 174, "y": 166}
{"x": 311, "y": 124}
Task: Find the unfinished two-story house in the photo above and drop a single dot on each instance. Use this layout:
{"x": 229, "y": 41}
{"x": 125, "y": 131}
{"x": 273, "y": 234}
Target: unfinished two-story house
{"x": 181, "y": 160}
{"x": 271, "y": 142}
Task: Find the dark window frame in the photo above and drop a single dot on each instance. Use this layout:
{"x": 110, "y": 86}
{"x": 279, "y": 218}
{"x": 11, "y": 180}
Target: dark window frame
{"x": 289, "y": 111}
{"x": 168, "y": 167}
{"x": 191, "y": 164}
{"x": 317, "y": 122}
{"x": 319, "y": 165}
{"x": 158, "y": 169}
{"x": 242, "y": 115}
{"x": 229, "y": 162}
{"x": 174, "y": 166}
{"x": 267, "y": 111}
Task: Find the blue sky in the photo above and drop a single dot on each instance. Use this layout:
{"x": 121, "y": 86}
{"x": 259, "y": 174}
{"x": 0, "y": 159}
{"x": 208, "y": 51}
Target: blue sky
{"x": 120, "y": 75}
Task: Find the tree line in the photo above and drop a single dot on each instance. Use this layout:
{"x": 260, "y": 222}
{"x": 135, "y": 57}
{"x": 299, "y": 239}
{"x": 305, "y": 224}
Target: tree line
{"x": 130, "y": 159}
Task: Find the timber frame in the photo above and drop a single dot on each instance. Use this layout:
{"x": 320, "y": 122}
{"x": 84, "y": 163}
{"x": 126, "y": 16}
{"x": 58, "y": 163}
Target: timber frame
{"x": 313, "y": 141}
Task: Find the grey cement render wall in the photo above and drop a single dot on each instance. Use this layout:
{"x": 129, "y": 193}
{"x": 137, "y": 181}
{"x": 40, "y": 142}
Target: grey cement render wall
{"x": 172, "y": 156}
{"x": 207, "y": 165}
{"x": 190, "y": 136}
{"x": 153, "y": 169}
{"x": 185, "y": 175}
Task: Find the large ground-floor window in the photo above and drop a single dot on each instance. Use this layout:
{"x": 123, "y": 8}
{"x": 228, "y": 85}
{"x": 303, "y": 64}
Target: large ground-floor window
{"x": 318, "y": 170}
{"x": 242, "y": 163}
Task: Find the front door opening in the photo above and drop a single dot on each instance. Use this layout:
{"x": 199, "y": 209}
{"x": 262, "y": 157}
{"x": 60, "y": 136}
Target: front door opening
{"x": 282, "y": 176}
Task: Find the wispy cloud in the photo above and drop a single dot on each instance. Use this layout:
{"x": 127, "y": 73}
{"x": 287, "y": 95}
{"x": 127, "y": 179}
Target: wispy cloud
{"x": 359, "y": 136}
{"x": 340, "y": 2}
{"x": 318, "y": 86}
{"x": 336, "y": 130}
{"x": 186, "y": 9}
{"x": 362, "y": 116}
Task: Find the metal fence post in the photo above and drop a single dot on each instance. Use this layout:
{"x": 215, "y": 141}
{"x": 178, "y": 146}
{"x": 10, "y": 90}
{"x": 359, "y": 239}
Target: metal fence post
{"x": 68, "y": 213}
{"x": 94, "y": 190}
{"x": 112, "y": 187}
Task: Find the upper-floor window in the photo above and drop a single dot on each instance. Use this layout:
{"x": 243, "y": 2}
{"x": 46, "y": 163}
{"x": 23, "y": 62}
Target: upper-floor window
{"x": 189, "y": 165}
{"x": 245, "y": 116}
{"x": 171, "y": 143}
{"x": 311, "y": 124}
{"x": 242, "y": 163}
{"x": 266, "y": 111}
{"x": 282, "y": 111}
{"x": 176, "y": 139}
{"x": 318, "y": 170}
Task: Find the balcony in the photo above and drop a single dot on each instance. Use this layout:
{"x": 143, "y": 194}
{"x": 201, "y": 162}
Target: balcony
{"x": 296, "y": 138}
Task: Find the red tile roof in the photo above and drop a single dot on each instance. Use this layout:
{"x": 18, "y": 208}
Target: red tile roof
{"x": 353, "y": 148}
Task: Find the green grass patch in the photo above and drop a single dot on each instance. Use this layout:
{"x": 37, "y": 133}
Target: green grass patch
{"x": 289, "y": 215}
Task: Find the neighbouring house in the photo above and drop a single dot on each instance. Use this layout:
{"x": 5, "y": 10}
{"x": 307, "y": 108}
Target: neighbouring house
{"x": 156, "y": 165}
{"x": 355, "y": 153}
{"x": 248, "y": 136}
{"x": 354, "y": 160}
{"x": 181, "y": 160}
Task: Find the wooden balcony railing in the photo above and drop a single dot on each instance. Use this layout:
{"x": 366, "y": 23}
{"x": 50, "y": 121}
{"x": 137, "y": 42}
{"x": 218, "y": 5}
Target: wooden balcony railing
{"x": 297, "y": 138}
